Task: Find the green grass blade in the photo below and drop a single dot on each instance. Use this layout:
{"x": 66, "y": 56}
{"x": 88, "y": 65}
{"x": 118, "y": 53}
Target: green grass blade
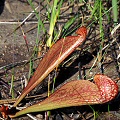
{"x": 54, "y": 16}
{"x": 115, "y": 11}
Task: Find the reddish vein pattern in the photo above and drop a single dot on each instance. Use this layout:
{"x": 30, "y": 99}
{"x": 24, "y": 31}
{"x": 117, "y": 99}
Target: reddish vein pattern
{"x": 77, "y": 93}
{"x": 58, "y": 52}
{"x": 84, "y": 92}
{"x": 107, "y": 87}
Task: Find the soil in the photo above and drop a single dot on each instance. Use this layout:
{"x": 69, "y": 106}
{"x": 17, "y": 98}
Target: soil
{"x": 15, "y": 58}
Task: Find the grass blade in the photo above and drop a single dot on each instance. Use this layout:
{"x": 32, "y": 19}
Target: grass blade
{"x": 115, "y": 11}
{"x": 54, "y": 15}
